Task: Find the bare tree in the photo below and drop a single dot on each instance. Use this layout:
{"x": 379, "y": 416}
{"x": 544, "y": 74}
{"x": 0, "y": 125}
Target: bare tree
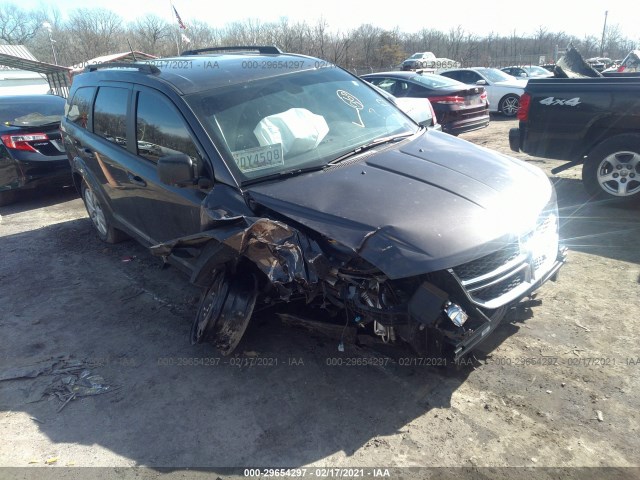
{"x": 95, "y": 32}
{"x": 151, "y": 34}
{"x": 18, "y": 26}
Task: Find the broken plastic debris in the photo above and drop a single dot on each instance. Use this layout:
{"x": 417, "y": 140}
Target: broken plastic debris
{"x": 51, "y": 460}
{"x": 599, "y": 416}
{"x": 88, "y": 384}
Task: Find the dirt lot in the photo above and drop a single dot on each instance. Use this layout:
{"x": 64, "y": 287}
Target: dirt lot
{"x": 556, "y": 386}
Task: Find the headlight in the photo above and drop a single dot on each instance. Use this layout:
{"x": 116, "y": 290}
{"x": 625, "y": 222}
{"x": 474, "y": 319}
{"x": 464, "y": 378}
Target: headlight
{"x": 542, "y": 243}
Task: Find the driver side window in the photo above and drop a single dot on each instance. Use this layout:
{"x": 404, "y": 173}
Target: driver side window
{"x": 161, "y": 130}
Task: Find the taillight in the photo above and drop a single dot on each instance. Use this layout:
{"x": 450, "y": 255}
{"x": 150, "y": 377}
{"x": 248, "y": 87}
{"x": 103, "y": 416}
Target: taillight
{"x": 433, "y": 113}
{"x": 447, "y": 100}
{"x": 21, "y": 142}
{"x": 523, "y": 110}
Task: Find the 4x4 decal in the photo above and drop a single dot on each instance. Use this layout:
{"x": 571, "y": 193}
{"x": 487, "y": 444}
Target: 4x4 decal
{"x": 572, "y": 102}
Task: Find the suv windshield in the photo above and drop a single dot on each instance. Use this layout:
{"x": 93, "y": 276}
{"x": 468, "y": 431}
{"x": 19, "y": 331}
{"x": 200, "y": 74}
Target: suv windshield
{"x": 296, "y": 121}
{"x": 420, "y": 55}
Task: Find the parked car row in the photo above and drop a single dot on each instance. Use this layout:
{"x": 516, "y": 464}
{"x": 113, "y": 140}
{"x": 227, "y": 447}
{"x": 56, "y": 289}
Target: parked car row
{"x": 504, "y": 91}
{"x": 459, "y": 108}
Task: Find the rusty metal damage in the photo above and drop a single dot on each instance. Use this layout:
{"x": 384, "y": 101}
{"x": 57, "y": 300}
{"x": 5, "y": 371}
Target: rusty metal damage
{"x": 291, "y": 261}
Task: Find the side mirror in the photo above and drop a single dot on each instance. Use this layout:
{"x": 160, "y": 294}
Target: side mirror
{"x": 481, "y": 82}
{"x": 176, "y": 170}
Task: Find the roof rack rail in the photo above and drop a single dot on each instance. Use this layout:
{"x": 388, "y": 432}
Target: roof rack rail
{"x": 144, "y": 68}
{"x": 268, "y": 49}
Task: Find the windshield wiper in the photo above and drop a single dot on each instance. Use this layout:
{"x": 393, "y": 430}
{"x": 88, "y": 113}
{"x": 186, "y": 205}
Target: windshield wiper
{"x": 285, "y": 174}
{"x": 370, "y": 145}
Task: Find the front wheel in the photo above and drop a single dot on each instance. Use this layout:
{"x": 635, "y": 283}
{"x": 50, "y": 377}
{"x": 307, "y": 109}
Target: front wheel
{"x": 509, "y": 105}
{"x": 225, "y": 310}
{"x": 612, "y": 169}
{"x": 7, "y": 197}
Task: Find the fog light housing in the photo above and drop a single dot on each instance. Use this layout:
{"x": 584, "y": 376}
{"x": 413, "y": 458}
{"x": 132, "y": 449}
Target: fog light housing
{"x": 455, "y": 313}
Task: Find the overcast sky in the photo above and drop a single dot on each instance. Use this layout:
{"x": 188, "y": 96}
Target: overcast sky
{"x": 586, "y": 17}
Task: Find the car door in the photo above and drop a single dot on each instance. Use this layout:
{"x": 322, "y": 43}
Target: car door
{"x": 99, "y": 119}
{"x": 165, "y": 212}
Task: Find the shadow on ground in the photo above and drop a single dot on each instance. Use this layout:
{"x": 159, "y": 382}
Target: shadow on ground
{"x": 290, "y": 397}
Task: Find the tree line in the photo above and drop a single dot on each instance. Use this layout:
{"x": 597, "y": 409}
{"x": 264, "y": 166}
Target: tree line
{"x": 88, "y": 33}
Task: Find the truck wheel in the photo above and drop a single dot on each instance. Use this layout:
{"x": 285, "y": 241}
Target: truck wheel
{"x": 509, "y": 105}
{"x": 612, "y": 168}
{"x": 100, "y": 218}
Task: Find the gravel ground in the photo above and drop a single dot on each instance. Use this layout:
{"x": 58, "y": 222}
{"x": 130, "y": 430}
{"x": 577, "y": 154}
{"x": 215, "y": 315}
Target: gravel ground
{"x": 556, "y": 385}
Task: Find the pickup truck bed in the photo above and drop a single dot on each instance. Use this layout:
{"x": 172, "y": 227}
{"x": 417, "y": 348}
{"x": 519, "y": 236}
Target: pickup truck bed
{"x": 589, "y": 121}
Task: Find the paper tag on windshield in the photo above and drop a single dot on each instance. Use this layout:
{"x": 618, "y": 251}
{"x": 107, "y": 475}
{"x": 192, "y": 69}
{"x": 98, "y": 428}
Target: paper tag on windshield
{"x": 259, "y": 158}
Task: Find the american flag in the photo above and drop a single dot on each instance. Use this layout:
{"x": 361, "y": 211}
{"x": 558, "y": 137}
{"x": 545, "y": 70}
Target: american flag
{"x": 180, "y": 22}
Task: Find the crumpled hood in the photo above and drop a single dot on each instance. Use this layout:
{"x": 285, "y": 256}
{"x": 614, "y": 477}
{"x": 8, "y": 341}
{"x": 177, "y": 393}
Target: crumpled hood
{"x": 422, "y": 205}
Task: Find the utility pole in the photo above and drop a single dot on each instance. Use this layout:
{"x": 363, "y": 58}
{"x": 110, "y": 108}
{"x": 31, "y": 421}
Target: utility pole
{"x": 604, "y": 29}
{"x": 48, "y": 27}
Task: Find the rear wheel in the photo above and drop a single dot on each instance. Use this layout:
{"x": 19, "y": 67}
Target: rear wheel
{"x": 612, "y": 169}
{"x": 99, "y": 217}
{"x": 509, "y": 105}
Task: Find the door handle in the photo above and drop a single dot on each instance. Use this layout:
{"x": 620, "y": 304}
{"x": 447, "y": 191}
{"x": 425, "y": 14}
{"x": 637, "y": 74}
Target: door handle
{"x": 88, "y": 151}
{"x": 136, "y": 180}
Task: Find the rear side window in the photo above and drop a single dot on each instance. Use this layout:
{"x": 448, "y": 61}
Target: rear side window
{"x": 471, "y": 77}
{"x": 78, "y": 110}
{"x": 395, "y": 87}
{"x": 455, "y": 75}
{"x": 110, "y": 115}
{"x": 160, "y": 129}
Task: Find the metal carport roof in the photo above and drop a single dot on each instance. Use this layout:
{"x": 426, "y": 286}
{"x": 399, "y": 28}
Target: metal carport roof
{"x": 59, "y": 77}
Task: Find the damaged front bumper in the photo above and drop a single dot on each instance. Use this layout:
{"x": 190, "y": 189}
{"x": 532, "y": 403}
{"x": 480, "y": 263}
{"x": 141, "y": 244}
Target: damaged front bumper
{"x": 443, "y": 314}
{"x": 479, "y": 334}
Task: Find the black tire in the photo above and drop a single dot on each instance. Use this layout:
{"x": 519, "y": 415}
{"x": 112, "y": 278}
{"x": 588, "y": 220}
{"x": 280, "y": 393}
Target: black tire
{"x": 509, "y": 105}
{"x": 612, "y": 169}
{"x": 100, "y": 218}
{"x": 225, "y": 309}
{"x": 8, "y": 197}
{"x": 210, "y": 308}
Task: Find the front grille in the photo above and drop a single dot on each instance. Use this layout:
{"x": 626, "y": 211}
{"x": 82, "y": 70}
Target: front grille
{"x": 488, "y": 263}
{"x": 501, "y": 288}
{"x": 510, "y": 272}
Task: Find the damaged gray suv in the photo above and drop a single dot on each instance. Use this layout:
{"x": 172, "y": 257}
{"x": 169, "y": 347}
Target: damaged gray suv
{"x": 275, "y": 179}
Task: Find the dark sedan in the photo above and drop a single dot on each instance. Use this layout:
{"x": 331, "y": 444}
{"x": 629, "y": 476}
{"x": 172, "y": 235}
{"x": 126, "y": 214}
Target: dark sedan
{"x": 459, "y": 108}
{"x": 31, "y": 152}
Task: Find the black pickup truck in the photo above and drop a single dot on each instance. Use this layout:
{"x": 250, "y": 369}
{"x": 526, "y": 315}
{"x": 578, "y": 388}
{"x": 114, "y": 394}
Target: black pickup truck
{"x": 590, "y": 121}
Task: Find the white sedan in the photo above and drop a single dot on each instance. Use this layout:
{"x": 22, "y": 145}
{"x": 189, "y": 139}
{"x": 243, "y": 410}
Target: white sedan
{"x": 503, "y": 90}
